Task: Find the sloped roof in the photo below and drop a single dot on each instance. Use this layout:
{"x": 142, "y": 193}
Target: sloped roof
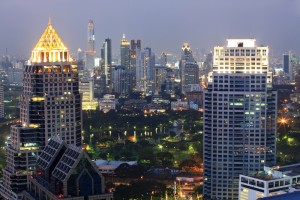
{"x": 48, "y": 153}
{"x": 49, "y": 40}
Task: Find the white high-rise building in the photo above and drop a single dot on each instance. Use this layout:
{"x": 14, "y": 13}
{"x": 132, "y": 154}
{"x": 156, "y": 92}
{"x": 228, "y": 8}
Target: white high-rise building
{"x": 239, "y": 117}
{"x": 50, "y": 104}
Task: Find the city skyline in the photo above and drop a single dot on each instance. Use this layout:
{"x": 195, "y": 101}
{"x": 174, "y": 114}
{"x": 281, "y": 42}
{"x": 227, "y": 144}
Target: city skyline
{"x": 162, "y": 25}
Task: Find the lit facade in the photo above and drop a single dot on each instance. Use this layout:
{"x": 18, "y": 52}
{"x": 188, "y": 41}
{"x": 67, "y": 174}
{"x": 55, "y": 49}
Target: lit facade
{"x": 272, "y": 181}
{"x": 86, "y": 88}
{"x": 240, "y": 117}
{"x": 189, "y": 69}
{"x": 49, "y": 105}
{"x": 145, "y": 72}
{"x": 125, "y": 62}
{"x": 106, "y": 57}
{"x": 1, "y": 101}
{"x": 90, "y": 53}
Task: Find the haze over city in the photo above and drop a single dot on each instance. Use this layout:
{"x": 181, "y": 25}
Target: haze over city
{"x": 162, "y": 24}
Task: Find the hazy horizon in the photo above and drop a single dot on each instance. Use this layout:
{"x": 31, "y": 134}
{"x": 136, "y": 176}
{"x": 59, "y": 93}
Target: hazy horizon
{"x": 162, "y": 25}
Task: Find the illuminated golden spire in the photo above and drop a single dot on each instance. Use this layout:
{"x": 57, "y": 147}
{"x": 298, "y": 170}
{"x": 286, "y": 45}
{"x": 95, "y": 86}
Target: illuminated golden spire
{"x": 50, "y": 47}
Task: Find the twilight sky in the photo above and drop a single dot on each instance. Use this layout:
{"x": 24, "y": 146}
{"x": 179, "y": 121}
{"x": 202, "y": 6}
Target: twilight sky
{"x": 162, "y": 25}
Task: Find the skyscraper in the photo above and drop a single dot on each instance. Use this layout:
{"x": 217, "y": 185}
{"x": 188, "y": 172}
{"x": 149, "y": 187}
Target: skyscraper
{"x": 163, "y": 59}
{"x": 90, "y": 52}
{"x": 1, "y": 101}
{"x": 125, "y": 62}
{"x": 290, "y": 65}
{"x": 145, "y": 63}
{"x": 49, "y": 105}
{"x": 135, "y": 48}
{"x": 239, "y": 117}
{"x": 189, "y": 69}
{"x": 106, "y": 59}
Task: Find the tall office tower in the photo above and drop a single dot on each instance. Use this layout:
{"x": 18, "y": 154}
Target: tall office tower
{"x": 135, "y": 48}
{"x": 80, "y": 59}
{"x": 145, "y": 72}
{"x": 119, "y": 83}
{"x": 290, "y": 65}
{"x": 125, "y": 61}
{"x": 189, "y": 69}
{"x": 160, "y": 75}
{"x": 1, "y": 101}
{"x": 240, "y": 117}
{"x": 49, "y": 105}
{"x": 106, "y": 59}
{"x": 163, "y": 59}
{"x": 90, "y": 53}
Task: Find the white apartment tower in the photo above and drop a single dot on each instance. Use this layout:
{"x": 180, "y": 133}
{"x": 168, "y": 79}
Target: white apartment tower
{"x": 50, "y": 104}
{"x": 239, "y": 117}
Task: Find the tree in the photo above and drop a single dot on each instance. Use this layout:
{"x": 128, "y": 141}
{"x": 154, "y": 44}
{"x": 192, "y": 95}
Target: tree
{"x": 165, "y": 159}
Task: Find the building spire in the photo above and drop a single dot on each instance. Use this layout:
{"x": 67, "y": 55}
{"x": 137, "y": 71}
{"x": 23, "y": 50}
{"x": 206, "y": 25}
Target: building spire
{"x": 49, "y": 21}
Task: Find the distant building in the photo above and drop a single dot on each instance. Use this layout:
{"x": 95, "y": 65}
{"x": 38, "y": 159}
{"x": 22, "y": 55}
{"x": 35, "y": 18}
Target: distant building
{"x": 86, "y": 88}
{"x": 106, "y": 63}
{"x": 160, "y": 74}
{"x": 119, "y": 80}
{"x": 125, "y": 62}
{"x": 109, "y": 167}
{"x": 66, "y": 172}
{"x": 135, "y": 48}
{"x": 163, "y": 59}
{"x": 15, "y": 76}
{"x": 272, "y": 181}
{"x": 145, "y": 72}
{"x": 107, "y": 103}
{"x": 1, "y": 101}
{"x": 189, "y": 69}
{"x": 179, "y": 105}
{"x": 90, "y": 53}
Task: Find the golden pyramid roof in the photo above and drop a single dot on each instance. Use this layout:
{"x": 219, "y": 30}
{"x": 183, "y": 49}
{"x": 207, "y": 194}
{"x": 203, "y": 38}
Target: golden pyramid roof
{"x": 50, "y": 47}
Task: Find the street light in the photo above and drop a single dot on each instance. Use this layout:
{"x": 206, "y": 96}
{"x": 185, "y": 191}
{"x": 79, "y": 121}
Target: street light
{"x": 160, "y": 147}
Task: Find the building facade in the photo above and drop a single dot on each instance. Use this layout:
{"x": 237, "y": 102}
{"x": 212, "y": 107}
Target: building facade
{"x": 107, "y": 103}
{"x": 272, "y": 181}
{"x": 189, "y": 69}
{"x": 86, "y": 88}
{"x": 240, "y": 117}
{"x": 65, "y": 171}
{"x": 49, "y": 105}
{"x": 90, "y": 53}
{"x": 125, "y": 62}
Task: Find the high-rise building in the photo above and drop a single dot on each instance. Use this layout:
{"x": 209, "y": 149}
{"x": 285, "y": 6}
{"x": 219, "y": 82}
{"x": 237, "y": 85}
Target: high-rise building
{"x": 145, "y": 72}
{"x": 106, "y": 61}
{"x": 119, "y": 83}
{"x": 125, "y": 62}
{"x": 240, "y": 117}
{"x": 289, "y": 65}
{"x": 49, "y": 105}
{"x": 90, "y": 52}
{"x": 163, "y": 59}
{"x": 135, "y": 48}
{"x": 1, "y": 101}
{"x": 65, "y": 171}
{"x": 189, "y": 69}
